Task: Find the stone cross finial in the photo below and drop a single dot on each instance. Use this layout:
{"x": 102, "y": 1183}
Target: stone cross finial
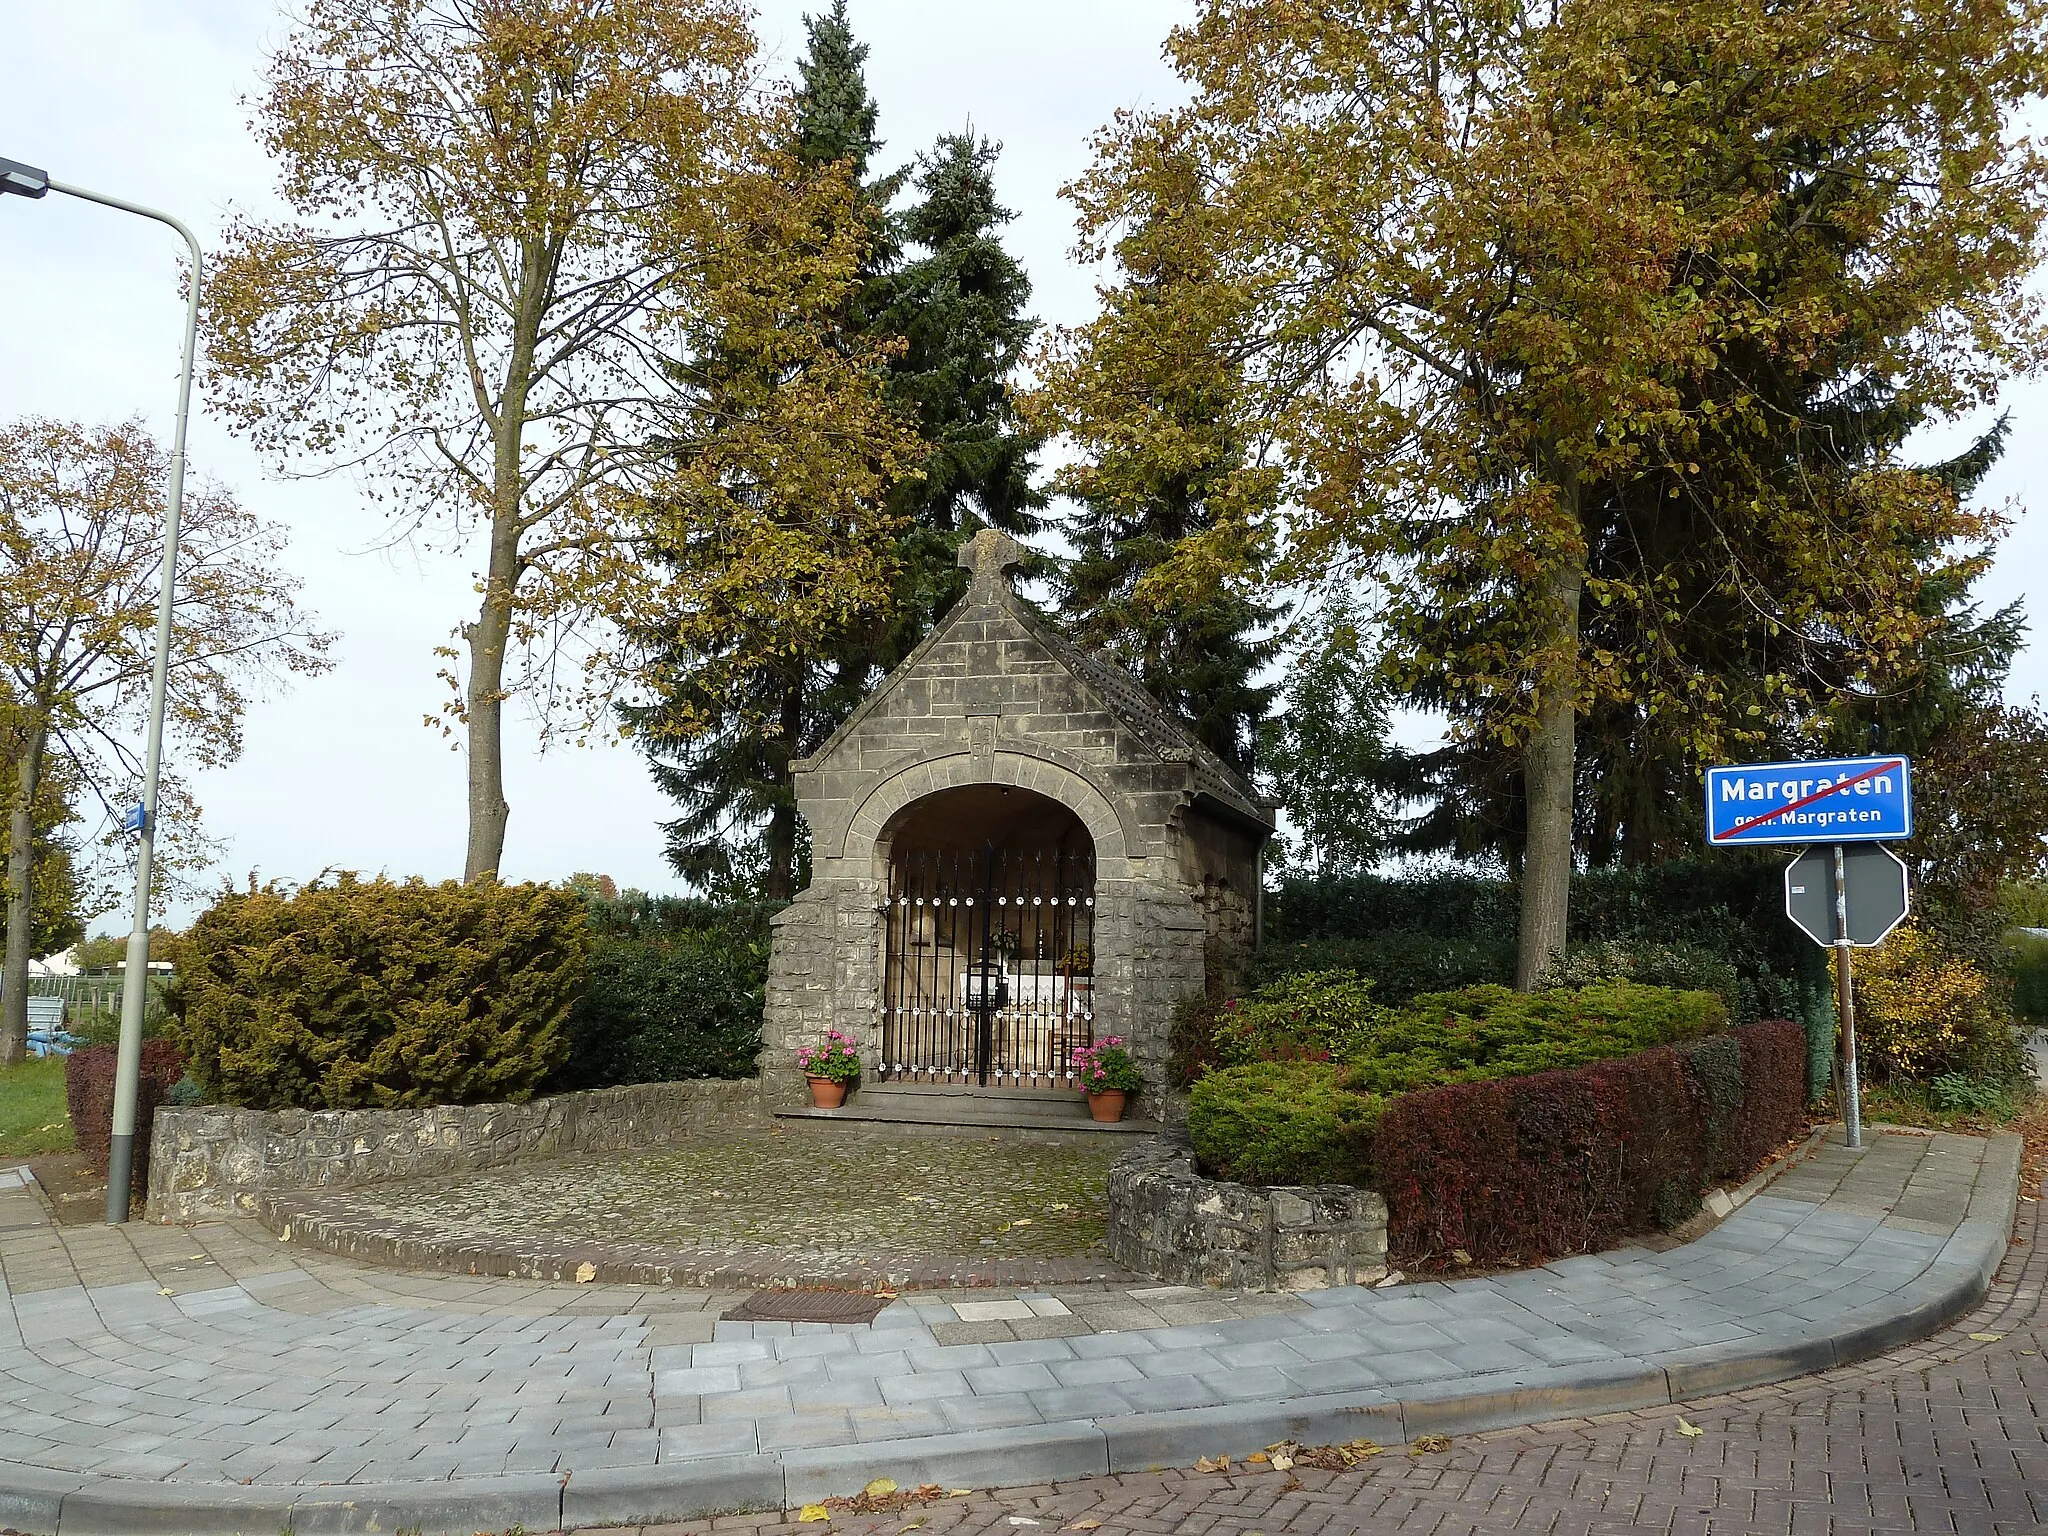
{"x": 991, "y": 554}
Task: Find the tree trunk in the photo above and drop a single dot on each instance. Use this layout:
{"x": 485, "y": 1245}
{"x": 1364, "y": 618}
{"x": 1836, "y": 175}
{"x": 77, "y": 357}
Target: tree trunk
{"x": 491, "y": 635}
{"x": 21, "y": 830}
{"x": 1549, "y": 767}
{"x": 780, "y": 884}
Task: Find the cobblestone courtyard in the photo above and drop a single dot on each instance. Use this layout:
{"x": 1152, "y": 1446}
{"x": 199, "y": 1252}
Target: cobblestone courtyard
{"x": 979, "y": 1197}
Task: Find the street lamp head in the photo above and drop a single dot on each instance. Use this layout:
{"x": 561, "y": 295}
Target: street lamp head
{"x": 22, "y": 180}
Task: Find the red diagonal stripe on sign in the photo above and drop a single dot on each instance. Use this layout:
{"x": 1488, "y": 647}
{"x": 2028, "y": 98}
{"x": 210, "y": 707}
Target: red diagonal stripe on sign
{"x": 1819, "y": 794}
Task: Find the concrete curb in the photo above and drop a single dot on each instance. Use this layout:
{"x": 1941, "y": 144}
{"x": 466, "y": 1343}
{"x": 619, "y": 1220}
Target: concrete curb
{"x": 56, "y": 1504}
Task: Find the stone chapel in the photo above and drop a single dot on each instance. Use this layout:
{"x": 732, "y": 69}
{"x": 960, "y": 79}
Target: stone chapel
{"x": 1015, "y": 850}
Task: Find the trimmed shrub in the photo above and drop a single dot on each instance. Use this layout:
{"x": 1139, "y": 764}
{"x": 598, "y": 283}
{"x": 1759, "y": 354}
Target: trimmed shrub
{"x": 637, "y": 915}
{"x": 659, "y": 1009}
{"x": 1281, "y": 1123}
{"x": 1730, "y": 904}
{"x": 2029, "y": 963}
{"x": 1923, "y": 1010}
{"x": 89, "y": 1096}
{"x": 1559, "y": 1162}
{"x": 380, "y": 994}
{"x": 1773, "y": 1092}
{"x": 1489, "y": 1032}
{"x": 1401, "y": 964}
{"x": 1315, "y": 1016}
{"x": 1682, "y": 966}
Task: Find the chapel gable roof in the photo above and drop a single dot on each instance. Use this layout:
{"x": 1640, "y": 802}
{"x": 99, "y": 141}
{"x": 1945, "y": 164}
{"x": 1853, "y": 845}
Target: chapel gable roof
{"x": 991, "y": 555}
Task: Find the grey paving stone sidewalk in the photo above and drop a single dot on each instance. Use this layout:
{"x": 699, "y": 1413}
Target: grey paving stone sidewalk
{"x": 302, "y": 1380}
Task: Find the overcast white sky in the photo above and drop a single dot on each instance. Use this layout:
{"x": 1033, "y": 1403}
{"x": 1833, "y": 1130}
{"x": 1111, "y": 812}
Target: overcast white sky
{"x": 144, "y": 99}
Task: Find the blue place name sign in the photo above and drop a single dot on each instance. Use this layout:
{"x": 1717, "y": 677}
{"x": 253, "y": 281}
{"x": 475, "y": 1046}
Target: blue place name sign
{"x": 1840, "y": 800}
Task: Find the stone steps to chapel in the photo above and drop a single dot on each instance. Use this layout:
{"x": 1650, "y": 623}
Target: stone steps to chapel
{"x": 970, "y": 1106}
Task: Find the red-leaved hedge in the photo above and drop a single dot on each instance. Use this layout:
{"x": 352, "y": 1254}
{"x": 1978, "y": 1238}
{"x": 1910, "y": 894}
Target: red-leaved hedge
{"x": 89, "y": 1094}
{"x": 1532, "y": 1167}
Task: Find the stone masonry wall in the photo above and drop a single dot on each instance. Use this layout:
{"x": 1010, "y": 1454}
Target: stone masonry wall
{"x": 1167, "y": 1221}
{"x": 210, "y": 1161}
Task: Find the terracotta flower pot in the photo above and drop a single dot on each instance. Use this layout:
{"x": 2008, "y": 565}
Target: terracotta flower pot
{"x": 1107, "y": 1106}
{"x": 827, "y": 1094}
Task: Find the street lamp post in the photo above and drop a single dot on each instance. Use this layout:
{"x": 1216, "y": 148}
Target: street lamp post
{"x": 27, "y": 181}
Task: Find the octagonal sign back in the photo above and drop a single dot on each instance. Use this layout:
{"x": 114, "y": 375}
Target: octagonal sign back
{"x": 1877, "y": 886}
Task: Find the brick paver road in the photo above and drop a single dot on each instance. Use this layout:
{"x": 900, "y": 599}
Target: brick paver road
{"x": 1946, "y": 1435}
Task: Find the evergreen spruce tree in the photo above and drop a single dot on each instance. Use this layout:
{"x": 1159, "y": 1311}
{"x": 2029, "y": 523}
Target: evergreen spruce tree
{"x": 728, "y": 769}
{"x": 1200, "y": 656}
{"x": 960, "y": 309}
{"x": 939, "y": 283}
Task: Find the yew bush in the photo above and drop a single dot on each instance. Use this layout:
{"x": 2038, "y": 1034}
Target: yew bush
{"x": 380, "y": 994}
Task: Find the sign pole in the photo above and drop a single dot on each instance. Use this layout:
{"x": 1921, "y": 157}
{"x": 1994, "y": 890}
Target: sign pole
{"x": 1845, "y": 1002}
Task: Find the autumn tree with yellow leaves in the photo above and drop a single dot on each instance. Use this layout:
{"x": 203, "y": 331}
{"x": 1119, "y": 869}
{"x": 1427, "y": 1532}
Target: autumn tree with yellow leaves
{"x": 512, "y": 215}
{"x": 81, "y": 552}
{"x": 1498, "y": 285}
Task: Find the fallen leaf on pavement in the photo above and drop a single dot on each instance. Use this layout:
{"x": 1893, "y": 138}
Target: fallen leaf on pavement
{"x": 960, "y": 1493}
{"x": 913, "y": 1525}
{"x": 1085, "y": 1525}
{"x": 1690, "y": 1431}
{"x": 1426, "y": 1443}
{"x": 585, "y": 1273}
{"x": 165, "y": 1290}
{"x": 1022, "y": 1520}
{"x": 1987, "y": 1338}
{"x": 1212, "y": 1464}
{"x": 880, "y": 1486}
{"x": 1283, "y": 1463}
{"x": 810, "y": 1514}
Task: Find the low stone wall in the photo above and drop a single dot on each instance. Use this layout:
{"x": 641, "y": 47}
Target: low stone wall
{"x": 211, "y": 1161}
{"x": 1166, "y": 1220}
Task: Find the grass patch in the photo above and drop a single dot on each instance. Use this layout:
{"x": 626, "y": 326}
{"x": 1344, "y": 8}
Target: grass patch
{"x": 33, "y": 1119}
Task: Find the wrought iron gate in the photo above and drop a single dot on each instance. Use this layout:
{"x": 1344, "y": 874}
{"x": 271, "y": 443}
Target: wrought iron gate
{"x": 990, "y": 969}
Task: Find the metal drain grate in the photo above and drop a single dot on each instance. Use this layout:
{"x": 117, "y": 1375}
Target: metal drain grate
{"x": 807, "y": 1307}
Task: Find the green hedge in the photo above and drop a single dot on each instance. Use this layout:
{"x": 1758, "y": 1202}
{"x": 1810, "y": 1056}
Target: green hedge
{"x": 2029, "y": 978}
{"x": 1481, "y": 1033}
{"x": 1275, "y": 1117}
{"x": 1282, "y": 1123}
{"x": 1314, "y": 1016}
{"x": 1401, "y": 964}
{"x": 676, "y": 1004}
{"x": 1422, "y": 934}
{"x": 377, "y": 993}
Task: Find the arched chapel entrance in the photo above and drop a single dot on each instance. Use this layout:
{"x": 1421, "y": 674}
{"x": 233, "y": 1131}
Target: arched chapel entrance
{"x": 988, "y": 973}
